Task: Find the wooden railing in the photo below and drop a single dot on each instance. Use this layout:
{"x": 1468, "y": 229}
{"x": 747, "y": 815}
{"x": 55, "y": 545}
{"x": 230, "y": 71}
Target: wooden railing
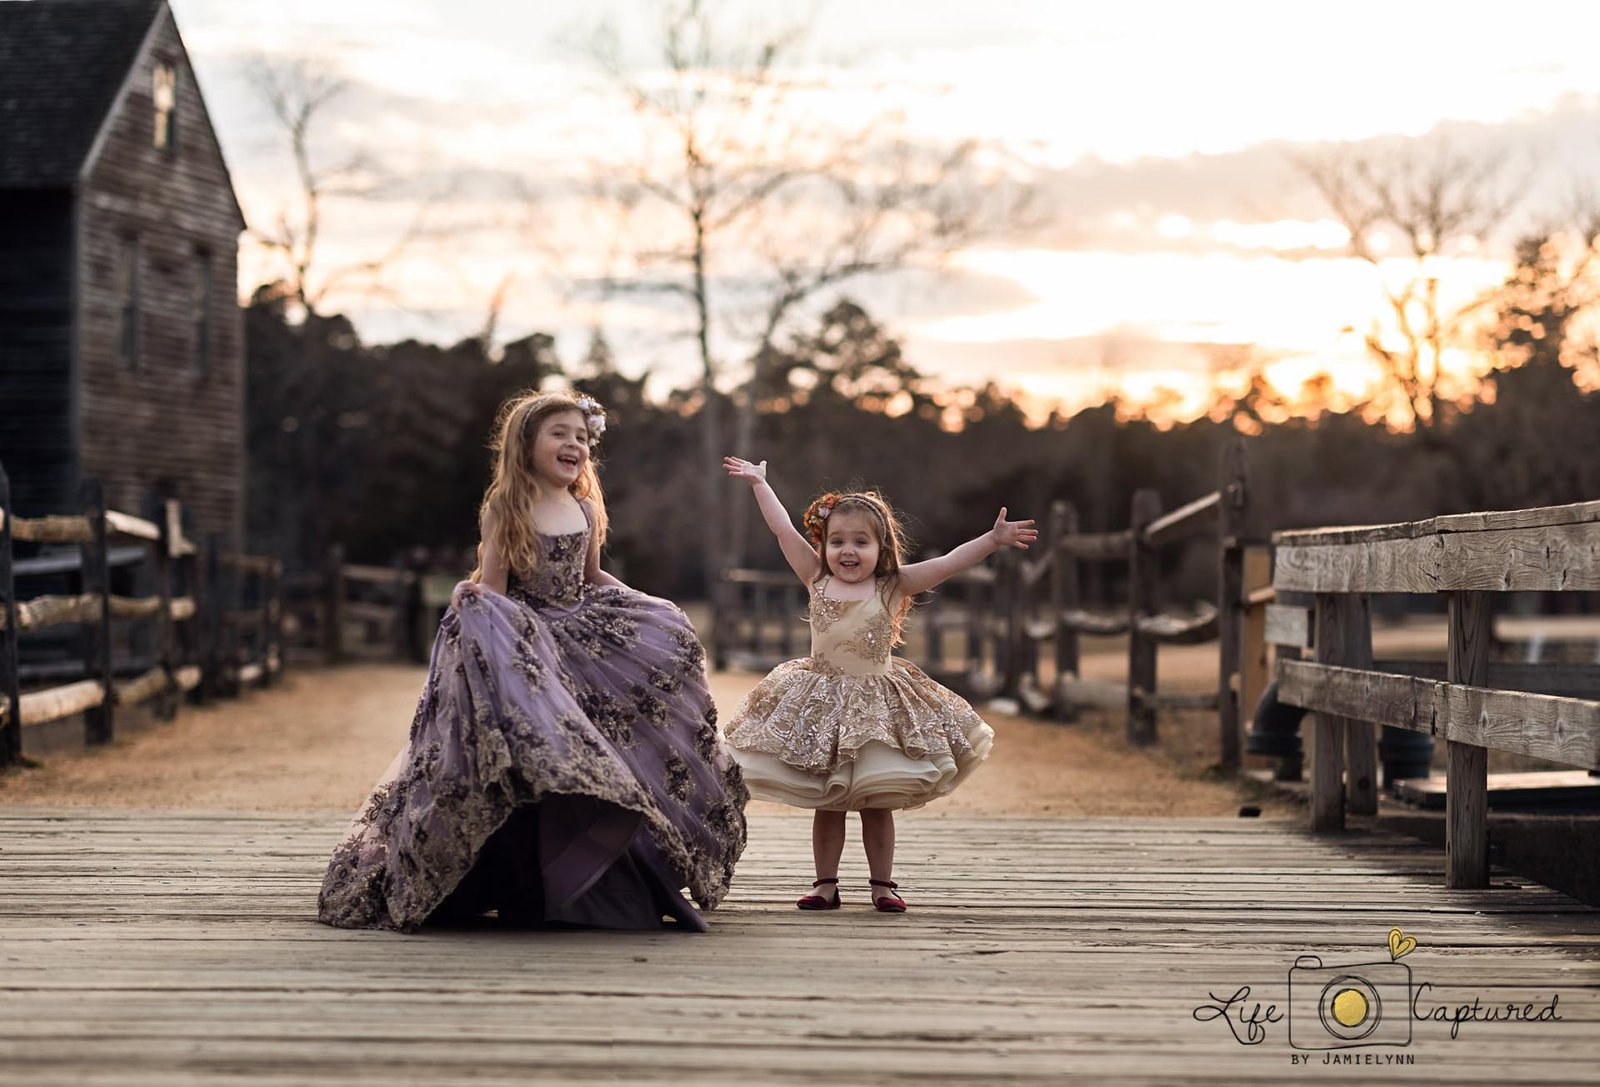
{"x": 186, "y": 633}
{"x": 345, "y": 611}
{"x": 1544, "y": 711}
{"x": 1018, "y": 604}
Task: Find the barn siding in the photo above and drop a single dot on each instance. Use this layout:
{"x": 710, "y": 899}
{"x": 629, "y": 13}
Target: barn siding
{"x": 36, "y": 444}
{"x": 163, "y": 423}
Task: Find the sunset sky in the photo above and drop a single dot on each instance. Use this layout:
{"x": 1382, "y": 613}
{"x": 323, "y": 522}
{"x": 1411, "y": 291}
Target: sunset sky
{"x": 1155, "y": 138}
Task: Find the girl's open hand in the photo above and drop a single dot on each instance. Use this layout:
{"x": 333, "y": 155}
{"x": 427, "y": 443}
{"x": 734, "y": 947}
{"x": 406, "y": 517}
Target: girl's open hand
{"x": 750, "y": 473}
{"x": 1018, "y": 534}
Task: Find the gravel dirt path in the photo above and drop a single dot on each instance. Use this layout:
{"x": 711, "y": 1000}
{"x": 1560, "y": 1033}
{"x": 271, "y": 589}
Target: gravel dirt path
{"x": 318, "y": 742}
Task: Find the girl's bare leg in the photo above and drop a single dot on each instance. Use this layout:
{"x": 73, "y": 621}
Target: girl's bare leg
{"x": 877, "y": 837}
{"x": 827, "y": 845}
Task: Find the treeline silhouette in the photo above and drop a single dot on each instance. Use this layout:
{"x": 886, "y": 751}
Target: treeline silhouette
{"x": 383, "y": 449}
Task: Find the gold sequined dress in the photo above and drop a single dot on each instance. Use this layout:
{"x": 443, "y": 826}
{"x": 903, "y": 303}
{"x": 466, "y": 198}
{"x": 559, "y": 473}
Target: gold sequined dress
{"x": 851, "y": 726}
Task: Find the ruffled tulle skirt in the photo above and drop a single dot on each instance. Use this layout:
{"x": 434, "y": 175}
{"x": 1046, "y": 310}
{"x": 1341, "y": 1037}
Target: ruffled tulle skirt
{"x": 817, "y": 739}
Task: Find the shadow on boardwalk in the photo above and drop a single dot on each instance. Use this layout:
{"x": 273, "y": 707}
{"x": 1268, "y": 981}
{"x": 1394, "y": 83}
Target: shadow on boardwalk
{"x": 179, "y": 948}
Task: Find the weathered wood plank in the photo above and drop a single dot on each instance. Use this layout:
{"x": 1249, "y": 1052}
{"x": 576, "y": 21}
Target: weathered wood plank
{"x": 1563, "y": 557}
{"x": 145, "y": 948}
{"x": 1564, "y": 730}
{"x": 126, "y": 524}
{"x": 1178, "y": 630}
{"x": 1089, "y": 622}
{"x": 1288, "y": 624}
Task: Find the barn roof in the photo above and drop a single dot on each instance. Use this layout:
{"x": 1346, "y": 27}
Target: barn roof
{"x": 62, "y": 63}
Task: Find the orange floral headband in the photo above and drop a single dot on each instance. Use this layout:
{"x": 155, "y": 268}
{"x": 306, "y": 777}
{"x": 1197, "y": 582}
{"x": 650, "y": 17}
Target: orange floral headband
{"x": 816, "y": 516}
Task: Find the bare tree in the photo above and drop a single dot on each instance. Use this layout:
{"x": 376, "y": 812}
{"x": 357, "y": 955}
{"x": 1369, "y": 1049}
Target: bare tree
{"x": 767, "y": 211}
{"x": 1437, "y": 203}
{"x": 298, "y": 94}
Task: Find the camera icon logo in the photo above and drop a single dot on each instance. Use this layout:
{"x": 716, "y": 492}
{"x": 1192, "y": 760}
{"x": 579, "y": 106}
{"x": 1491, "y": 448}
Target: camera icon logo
{"x": 1347, "y": 1007}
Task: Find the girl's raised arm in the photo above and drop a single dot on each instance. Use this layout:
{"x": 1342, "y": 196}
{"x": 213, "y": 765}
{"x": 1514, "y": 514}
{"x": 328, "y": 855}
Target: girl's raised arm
{"x": 802, "y": 557}
{"x": 919, "y": 577}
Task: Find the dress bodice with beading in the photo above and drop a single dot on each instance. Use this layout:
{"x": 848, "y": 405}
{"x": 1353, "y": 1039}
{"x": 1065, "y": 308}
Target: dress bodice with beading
{"x": 558, "y": 579}
{"x": 850, "y": 637}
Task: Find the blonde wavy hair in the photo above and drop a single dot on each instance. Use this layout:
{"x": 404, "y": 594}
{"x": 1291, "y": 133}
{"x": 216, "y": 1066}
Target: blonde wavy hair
{"x": 886, "y": 526}
{"x": 515, "y": 486}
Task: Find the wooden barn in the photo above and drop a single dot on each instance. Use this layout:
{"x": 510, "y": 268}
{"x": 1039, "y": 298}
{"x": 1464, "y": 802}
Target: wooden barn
{"x": 121, "y": 337}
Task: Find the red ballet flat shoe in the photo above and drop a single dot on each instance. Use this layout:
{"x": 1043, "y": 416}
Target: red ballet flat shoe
{"x": 889, "y": 903}
{"x": 821, "y": 902}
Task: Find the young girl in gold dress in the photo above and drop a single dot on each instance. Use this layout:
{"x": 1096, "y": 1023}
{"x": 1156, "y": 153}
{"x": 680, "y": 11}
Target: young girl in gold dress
{"x": 852, "y": 728}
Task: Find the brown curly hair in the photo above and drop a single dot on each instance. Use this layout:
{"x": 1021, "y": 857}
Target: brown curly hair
{"x": 886, "y": 527}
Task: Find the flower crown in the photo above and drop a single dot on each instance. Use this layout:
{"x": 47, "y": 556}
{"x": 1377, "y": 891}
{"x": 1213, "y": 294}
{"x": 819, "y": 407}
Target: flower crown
{"x": 816, "y": 516}
{"x": 594, "y": 418}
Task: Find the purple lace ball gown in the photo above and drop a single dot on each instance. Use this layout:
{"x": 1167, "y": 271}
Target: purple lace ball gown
{"x": 564, "y": 767}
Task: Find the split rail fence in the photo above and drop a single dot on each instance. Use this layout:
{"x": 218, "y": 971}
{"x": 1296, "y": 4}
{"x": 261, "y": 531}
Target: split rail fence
{"x": 187, "y": 630}
{"x": 1546, "y": 711}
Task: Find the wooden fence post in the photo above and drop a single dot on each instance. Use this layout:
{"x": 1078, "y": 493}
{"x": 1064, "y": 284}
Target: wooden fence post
{"x": 10, "y": 683}
{"x": 1009, "y": 594}
{"x": 1230, "y": 599}
{"x": 1143, "y": 600}
{"x": 333, "y": 606}
{"x": 1343, "y": 636}
{"x": 1467, "y": 773}
{"x": 1254, "y": 674}
{"x": 99, "y": 721}
{"x": 210, "y": 611}
{"x": 166, "y": 706}
{"x": 718, "y": 635}
{"x": 268, "y": 580}
{"x": 1064, "y": 598}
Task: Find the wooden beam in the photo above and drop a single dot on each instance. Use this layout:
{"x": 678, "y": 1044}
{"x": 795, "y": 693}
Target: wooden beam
{"x": 1288, "y": 624}
{"x": 149, "y": 685}
{"x": 380, "y": 574}
{"x": 100, "y": 719}
{"x": 55, "y": 529}
{"x": 40, "y": 707}
{"x": 1576, "y": 513}
{"x": 1343, "y": 635}
{"x": 1563, "y": 557}
{"x": 1466, "y": 804}
{"x": 1098, "y": 546}
{"x": 1184, "y": 521}
{"x": 1564, "y": 730}
{"x": 125, "y": 524}
{"x": 1254, "y": 665}
{"x": 1177, "y": 630}
{"x": 1089, "y": 622}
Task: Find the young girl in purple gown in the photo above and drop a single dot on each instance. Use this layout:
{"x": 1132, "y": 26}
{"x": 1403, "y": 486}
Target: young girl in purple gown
{"x": 565, "y": 765}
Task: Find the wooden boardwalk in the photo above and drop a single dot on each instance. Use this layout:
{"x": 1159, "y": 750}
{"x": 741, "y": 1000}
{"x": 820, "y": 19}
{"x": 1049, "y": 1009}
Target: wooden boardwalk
{"x": 180, "y": 949}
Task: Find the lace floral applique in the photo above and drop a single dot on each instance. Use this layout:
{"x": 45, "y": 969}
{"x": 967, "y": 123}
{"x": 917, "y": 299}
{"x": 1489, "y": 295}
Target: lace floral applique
{"x": 874, "y": 640}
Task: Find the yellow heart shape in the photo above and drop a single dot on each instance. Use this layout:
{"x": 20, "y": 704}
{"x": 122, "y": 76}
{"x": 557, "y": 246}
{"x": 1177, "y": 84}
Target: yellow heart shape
{"x": 1400, "y": 945}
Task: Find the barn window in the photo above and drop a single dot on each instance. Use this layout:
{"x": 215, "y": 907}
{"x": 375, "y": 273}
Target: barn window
{"x": 128, "y": 298}
{"x": 164, "y": 92}
{"x": 200, "y": 304}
